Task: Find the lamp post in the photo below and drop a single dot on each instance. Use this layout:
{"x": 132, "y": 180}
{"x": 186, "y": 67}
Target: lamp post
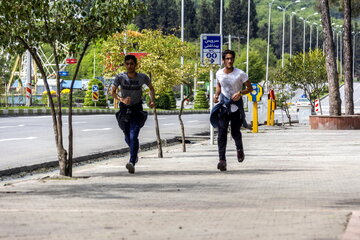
{"x": 283, "y": 36}
{"x": 354, "y": 53}
{"x": 268, "y": 43}
{"x": 291, "y": 18}
{"x": 305, "y": 20}
{"x": 248, "y": 39}
{"x": 182, "y": 40}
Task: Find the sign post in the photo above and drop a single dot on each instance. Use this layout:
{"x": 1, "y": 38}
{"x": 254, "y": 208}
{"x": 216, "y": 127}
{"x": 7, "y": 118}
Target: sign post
{"x": 211, "y": 46}
{"x": 95, "y": 93}
{"x": 255, "y": 96}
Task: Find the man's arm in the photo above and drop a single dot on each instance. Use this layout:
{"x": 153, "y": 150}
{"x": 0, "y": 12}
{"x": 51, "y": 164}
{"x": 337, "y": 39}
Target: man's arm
{"x": 217, "y": 93}
{"x": 152, "y": 95}
{"x": 117, "y": 97}
{"x": 248, "y": 88}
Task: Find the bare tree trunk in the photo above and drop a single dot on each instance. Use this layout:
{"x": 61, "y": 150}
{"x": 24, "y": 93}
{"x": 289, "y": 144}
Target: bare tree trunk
{"x": 68, "y": 167}
{"x": 332, "y": 74}
{"x": 182, "y": 124}
{"x": 158, "y": 138}
{"x": 349, "y": 88}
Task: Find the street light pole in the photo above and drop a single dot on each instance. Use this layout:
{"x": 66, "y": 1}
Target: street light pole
{"x": 291, "y": 24}
{"x": 283, "y": 39}
{"x": 354, "y": 53}
{"x": 310, "y": 47}
{"x": 182, "y": 40}
{"x": 268, "y": 43}
{"x": 221, "y": 17}
{"x": 248, "y": 39}
{"x": 283, "y": 36}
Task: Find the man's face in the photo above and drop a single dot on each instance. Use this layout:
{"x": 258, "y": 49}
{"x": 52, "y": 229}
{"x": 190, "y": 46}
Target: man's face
{"x": 130, "y": 66}
{"x": 229, "y": 61}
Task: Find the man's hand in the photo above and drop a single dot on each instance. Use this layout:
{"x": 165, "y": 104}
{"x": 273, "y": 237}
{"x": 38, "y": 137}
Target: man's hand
{"x": 151, "y": 104}
{"x": 126, "y": 101}
{"x": 236, "y": 96}
{"x": 216, "y": 99}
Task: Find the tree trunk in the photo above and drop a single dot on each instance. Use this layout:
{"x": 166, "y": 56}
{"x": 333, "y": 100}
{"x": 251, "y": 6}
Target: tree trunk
{"x": 182, "y": 125}
{"x": 158, "y": 138}
{"x": 349, "y": 88}
{"x": 332, "y": 74}
{"x": 70, "y": 126}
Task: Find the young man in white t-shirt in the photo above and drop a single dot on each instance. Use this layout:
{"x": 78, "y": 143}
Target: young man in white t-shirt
{"x": 229, "y": 91}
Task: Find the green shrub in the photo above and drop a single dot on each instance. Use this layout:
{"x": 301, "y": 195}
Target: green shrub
{"x": 172, "y": 99}
{"x": 88, "y": 96}
{"x": 201, "y": 101}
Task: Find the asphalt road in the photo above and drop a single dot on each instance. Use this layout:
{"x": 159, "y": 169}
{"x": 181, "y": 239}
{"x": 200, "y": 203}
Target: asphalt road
{"x": 30, "y": 140}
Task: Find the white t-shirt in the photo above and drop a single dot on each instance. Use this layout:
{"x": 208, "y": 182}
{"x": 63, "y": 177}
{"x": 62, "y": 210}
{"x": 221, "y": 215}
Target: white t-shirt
{"x": 231, "y": 83}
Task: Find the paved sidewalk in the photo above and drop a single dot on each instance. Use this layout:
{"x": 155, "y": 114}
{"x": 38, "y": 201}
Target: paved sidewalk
{"x": 294, "y": 184}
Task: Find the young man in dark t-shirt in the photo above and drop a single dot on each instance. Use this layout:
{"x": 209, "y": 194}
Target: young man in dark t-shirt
{"x": 131, "y": 116}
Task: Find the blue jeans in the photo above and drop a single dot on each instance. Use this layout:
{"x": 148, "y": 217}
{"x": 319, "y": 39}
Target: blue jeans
{"x": 131, "y": 132}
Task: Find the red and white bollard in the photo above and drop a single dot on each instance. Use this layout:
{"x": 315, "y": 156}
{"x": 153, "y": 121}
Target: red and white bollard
{"x": 317, "y": 105}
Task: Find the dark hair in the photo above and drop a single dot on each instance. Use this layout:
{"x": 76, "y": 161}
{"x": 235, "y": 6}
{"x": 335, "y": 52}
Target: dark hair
{"x": 129, "y": 57}
{"x": 228, "y": 51}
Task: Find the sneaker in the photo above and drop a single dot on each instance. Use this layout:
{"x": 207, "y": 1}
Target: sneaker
{"x": 222, "y": 165}
{"x": 240, "y": 155}
{"x": 130, "y": 167}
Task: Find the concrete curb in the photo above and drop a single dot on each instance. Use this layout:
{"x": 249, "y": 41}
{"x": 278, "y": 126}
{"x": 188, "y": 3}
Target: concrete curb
{"x": 43, "y": 111}
{"x": 82, "y": 159}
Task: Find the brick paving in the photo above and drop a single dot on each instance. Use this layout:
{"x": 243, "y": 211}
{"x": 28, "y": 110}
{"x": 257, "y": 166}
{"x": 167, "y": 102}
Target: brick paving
{"x": 294, "y": 184}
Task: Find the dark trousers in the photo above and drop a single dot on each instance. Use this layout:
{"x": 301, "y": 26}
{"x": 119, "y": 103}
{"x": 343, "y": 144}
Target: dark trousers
{"x": 131, "y": 131}
{"x": 236, "y": 121}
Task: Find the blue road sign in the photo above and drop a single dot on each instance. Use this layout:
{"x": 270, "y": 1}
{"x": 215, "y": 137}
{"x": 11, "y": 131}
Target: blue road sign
{"x": 95, "y": 88}
{"x": 211, "y": 46}
{"x": 63, "y": 73}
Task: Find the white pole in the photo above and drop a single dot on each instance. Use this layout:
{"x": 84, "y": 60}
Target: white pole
{"x": 94, "y": 63}
{"x": 182, "y": 40}
{"x": 283, "y": 40}
{"x": 354, "y": 57}
{"x": 211, "y": 104}
{"x": 304, "y": 40}
{"x": 337, "y": 52}
{"x": 291, "y": 17}
{"x": 248, "y": 39}
{"x": 28, "y": 79}
{"x": 310, "y": 48}
{"x": 230, "y": 41}
{"x": 268, "y": 45}
{"x": 317, "y": 37}
{"x": 221, "y": 17}
{"x": 341, "y": 55}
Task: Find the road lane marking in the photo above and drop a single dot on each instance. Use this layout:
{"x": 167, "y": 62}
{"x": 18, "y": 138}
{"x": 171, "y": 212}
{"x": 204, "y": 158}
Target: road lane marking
{"x": 17, "y": 139}
{"x": 168, "y": 124}
{"x": 20, "y": 125}
{"x": 193, "y": 121}
{"x": 75, "y": 123}
{"x": 96, "y": 129}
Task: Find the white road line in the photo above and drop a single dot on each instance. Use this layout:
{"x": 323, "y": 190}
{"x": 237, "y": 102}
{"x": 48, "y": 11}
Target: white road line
{"x": 193, "y": 121}
{"x": 168, "y": 124}
{"x": 20, "y": 125}
{"x": 17, "y": 139}
{"x": 75, "y": 123}
{"x": 96, "y": 129}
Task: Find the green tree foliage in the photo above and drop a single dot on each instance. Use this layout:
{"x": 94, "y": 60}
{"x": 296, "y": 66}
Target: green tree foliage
{"x": 72, "y": 25}
{"x": 256, "y": 65}
{"x": 201, "y": 101}
{"x": 308, "y": 75}
{"x": 88, "y": 96}
{"x": 203, "y": 13}
{"x": 5, "y": 70}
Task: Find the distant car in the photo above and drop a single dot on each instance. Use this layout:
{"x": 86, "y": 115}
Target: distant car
{"x": 303, "y": 102}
